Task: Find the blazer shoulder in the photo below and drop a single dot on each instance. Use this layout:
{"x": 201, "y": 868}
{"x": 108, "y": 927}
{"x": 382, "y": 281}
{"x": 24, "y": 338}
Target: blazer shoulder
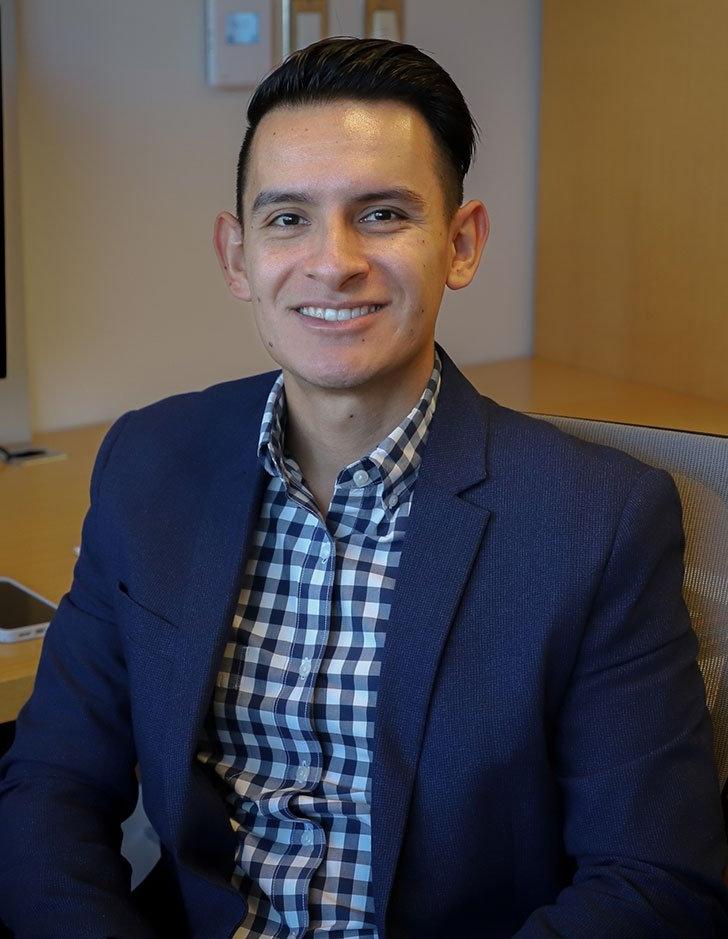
{"x": 198, "y": 427}
{"x": 239, "y": 401}
{"x": 238, "y": 398}
{"x": 562, "y": 460}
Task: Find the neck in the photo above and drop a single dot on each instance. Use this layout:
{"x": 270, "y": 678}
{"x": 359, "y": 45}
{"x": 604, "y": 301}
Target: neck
{"x": 329, "y": 428}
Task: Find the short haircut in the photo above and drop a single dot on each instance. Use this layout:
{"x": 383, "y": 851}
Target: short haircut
{"x": 371, "y": 70}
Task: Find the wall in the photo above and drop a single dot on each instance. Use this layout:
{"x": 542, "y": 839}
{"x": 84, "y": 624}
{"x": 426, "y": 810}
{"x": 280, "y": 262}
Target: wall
{"x": 127, "y": 156}
{"x": 633, "y": 242}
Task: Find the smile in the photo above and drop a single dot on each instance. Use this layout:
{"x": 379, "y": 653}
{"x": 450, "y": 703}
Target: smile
{"x": 332, "y": 315}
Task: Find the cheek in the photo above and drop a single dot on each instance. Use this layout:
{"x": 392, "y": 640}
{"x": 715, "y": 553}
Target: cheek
{"x": 277, "y": 270}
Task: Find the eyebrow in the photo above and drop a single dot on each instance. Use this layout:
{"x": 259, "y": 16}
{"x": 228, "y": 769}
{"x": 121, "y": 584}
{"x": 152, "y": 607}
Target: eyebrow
{"x": 270, "y": 197}
{"x": 277, "y": 197}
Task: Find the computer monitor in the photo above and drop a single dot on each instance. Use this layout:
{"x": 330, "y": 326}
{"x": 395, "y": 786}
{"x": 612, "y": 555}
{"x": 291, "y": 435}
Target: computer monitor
{"x": 14, "y": 416}
{"x": 3, "y": 325}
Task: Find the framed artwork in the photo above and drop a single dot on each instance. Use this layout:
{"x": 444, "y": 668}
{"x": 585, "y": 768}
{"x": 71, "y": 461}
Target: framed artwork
{"x": 238, "y": 42}
{"x": 308, "y": 21}
{"x": 384, "y": 19}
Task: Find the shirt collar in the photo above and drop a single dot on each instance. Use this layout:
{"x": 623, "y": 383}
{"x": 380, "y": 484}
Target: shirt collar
{"x": 393, "y": 462}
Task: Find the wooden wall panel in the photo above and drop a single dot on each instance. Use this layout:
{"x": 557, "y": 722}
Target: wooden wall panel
{"x": 632, "y": 258}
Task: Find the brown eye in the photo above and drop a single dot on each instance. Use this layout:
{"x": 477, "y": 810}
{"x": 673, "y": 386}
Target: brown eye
{"x": 286, "y": 220}
{"x": 382, "y": 215}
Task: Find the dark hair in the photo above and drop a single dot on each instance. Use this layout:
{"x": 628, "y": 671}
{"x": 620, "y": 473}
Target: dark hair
{"x": 371, "y": 70}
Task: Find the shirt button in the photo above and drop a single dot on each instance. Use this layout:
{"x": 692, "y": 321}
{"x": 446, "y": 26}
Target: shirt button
{"x": 325, "y": 554}
{"x": 305, "y": 666}
{"x": 307, "y": 837}
{"x": 301, "y": 774}
{"x": 392, "y": 501}
{"x": 361, "y": 478}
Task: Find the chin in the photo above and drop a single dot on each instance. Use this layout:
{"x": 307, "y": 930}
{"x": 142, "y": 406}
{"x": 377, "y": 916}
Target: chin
{"x": 335, "y": 369}
{"x": 337, "y": 380}
{"x": 338, "y": 376}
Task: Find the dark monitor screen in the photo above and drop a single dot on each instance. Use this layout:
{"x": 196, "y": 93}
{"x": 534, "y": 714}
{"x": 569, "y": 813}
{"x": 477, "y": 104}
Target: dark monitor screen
{"x": 3, "y": 317}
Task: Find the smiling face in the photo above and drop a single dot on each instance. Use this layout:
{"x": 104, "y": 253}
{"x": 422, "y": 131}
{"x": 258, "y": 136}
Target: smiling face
{"x": 346, "y": 245}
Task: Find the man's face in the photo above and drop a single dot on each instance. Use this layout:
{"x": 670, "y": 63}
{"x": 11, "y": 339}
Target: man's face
{"x": 344, "y": 211}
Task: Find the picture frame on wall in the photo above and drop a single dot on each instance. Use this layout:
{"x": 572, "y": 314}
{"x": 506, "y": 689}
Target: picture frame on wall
{"x": 384, "y": 19}
{"x": 238, "y": 41}
{"x": 303, "y": 22}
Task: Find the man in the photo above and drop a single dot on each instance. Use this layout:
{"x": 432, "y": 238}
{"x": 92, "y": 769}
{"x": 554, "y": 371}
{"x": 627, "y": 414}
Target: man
{"x": 393, "y": 661}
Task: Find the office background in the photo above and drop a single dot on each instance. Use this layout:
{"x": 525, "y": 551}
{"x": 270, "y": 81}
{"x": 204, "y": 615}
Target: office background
{"x": 126, "y": 157}
{"x": 604, "y": 289}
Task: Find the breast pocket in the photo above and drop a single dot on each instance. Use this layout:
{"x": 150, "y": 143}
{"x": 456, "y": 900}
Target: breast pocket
{"x": 149, "y": 645}
{"x": 146, "y": 636}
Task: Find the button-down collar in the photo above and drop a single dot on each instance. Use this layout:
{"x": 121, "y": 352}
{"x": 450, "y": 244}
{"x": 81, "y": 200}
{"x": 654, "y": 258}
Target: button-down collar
{"x": 393, "y": 462}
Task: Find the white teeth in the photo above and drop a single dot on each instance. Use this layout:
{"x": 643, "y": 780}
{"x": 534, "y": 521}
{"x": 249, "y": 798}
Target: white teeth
{"x": 331, "y": 315}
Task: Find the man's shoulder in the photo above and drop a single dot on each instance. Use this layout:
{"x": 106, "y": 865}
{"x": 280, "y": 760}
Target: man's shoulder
{"x": 195, "y": 425}
{"x": 542, "y": 437}
{"x": 526, "y": 451}
{"x": 555, "y": 486}
{"x": 242, "y": 399}
{"x": 236, "y": 399}
{"x": 538, "y": 454}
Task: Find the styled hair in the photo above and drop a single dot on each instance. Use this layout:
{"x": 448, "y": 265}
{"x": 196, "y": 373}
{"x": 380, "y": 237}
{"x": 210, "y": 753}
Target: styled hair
{"x": 371, "y": 70}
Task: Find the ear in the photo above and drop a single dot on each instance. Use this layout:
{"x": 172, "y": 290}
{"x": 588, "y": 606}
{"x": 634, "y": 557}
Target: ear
{"x": 469, "y": 229}
{"x": 228, "y": 241}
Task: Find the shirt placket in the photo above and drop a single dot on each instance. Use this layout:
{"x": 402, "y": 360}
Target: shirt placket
{"x": 313, "y": 618}
{"x": 306, "y": 715}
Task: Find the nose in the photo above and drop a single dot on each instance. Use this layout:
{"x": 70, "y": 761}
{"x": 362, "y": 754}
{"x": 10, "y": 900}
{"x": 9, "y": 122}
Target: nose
{"x": 337, "y": 255}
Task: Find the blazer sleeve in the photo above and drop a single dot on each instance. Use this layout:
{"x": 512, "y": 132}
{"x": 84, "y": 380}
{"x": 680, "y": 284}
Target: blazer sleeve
{"x": 634, "y": 750}
{"x": 68, "y": 781}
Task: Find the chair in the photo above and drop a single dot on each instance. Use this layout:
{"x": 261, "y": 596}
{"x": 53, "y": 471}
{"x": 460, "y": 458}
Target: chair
{"x": 699, "y": 465}
{"x": 140, "y": 844}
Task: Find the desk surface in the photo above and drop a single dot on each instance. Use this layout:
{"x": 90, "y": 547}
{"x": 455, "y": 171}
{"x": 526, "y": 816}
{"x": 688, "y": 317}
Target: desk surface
{"x": 42, "y": 504}
{"x": 545, "y": 387}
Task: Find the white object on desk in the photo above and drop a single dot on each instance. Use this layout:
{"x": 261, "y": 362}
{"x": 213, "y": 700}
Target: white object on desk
{"x": 24, "y": 614}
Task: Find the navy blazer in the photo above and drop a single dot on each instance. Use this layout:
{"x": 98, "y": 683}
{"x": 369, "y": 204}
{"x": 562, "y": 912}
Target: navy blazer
{"x": 542, "y": 758}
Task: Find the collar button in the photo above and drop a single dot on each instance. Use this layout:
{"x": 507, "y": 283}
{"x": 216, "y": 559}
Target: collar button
{"x": 361, "y": 478}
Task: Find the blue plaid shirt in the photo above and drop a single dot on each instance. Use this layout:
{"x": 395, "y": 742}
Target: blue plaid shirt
{"x": 290, "y": 730}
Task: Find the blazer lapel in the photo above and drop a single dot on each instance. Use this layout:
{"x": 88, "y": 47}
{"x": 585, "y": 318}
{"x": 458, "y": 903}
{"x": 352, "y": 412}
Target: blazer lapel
{"x": 444, "y": 534}
{"x": 222, "y": 524}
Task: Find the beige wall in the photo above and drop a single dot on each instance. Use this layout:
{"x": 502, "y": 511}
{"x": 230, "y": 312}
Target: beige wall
{"x": 126, "y": 157}
{"x": 633, "y": 241}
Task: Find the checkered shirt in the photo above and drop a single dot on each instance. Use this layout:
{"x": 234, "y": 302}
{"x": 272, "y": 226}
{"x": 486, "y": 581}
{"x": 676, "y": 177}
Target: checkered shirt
{"x": 289, "y": 734}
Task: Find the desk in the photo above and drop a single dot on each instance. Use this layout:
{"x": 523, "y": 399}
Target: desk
{"x": 545, "y": 387}
{"x": 42, "y": 504}
{"x": 42, "y": 507}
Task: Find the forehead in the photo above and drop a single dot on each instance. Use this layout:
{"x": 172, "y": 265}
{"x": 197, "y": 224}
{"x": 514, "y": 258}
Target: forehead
{"x": 340, "y": 144}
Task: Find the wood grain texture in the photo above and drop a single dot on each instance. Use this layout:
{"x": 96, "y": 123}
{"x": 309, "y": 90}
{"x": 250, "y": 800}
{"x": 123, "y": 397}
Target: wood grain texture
{"x": 632, "y": 271}
{"x": 42, "y": 506}
{"x": 543, "y": 386}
